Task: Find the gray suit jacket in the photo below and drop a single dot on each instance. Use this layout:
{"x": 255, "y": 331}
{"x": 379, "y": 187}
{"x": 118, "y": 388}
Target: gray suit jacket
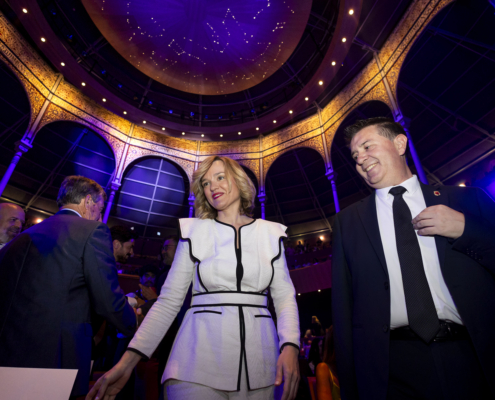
{"x": 52, "y": 276}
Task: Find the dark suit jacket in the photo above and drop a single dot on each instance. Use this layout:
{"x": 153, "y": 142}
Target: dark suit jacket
{"x": 361, "y": 295}
{"x": 51, "y": 277}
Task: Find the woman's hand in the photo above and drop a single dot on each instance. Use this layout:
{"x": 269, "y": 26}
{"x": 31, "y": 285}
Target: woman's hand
{"x": 110, "y": 384}
{"x": 288, "y": 369}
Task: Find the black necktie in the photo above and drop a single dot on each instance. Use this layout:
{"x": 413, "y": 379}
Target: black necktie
{"x": 421, "y": 312}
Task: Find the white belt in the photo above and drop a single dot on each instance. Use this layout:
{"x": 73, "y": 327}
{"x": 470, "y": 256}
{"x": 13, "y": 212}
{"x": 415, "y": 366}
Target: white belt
{"x": 246, "y": 299}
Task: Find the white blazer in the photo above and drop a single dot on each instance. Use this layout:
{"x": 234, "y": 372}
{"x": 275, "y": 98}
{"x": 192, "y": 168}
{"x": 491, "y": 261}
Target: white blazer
{"x": 228, "y": 328}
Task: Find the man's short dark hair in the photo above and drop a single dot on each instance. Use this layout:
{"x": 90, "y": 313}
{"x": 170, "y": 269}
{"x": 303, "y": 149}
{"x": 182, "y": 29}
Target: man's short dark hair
{"x": 386, "y": 127}
{"x": 172, "y": 237}
{"x": 121, "y": 233}
{"x": 148, "y": 268}
{"x": 75, "y": 188}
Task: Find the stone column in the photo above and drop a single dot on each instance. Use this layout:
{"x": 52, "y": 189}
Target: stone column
{"x": 191, "y": 205}
{"x": 330, "y": 174}
{"x": 405, "y": 122}
{"x": 262, "y": 198}
{"x": 20, "y": 148}
{"x": 114, "y": 187}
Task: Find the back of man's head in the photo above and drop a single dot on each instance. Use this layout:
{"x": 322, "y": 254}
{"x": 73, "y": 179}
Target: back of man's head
{"x": 75, "y": 188}
{"x": 386, "y": 127}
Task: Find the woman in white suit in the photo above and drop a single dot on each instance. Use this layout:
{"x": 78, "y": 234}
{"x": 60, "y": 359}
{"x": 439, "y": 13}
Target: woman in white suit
{"x": 227, "y": 346}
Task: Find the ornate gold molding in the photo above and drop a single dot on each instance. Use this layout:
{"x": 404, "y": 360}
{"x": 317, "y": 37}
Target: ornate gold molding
{"x": 70, "y": 104}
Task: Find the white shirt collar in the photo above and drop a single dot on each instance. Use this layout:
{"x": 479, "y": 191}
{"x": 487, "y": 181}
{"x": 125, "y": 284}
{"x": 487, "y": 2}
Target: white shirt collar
{"x": 70, "y": 209}
{"x": 411, "y": 185}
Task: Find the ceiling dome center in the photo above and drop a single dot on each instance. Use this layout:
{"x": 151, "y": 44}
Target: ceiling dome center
{"x": 207, "y": 47}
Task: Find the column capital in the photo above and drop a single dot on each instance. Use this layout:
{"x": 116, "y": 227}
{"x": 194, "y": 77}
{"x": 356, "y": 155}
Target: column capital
{"x": 404, "y": 121}
{"x": 262, "y": 197}
{"x": 191, "y": 200}
{"x": 22, "y": 146}
{"x": 115, "y": 186}
{"x": 330, "y": 174}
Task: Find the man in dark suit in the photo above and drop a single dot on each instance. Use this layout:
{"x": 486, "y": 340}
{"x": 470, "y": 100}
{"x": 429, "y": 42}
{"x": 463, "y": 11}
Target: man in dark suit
{"x": 52, "y": 276}
{"x": 413, "y": 287}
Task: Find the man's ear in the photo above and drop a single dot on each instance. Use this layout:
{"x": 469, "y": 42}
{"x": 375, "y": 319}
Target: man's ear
{"x": 400, "y": 143}
{"x": 116, "y": 245}
{"x": 86, "y": 200}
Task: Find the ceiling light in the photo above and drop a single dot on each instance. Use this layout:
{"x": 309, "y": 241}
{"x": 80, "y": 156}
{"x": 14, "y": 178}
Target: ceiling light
{"x": 132, "y": 228}
{"x": 333, "y": 63}
{"x": 163, "y": 129}
{"x": 125, "y": 112}
{"x": 299, "y": 294}
{"x": 462, "y": 185}
{"x": 24, "y": 10}
{"x": 62, "y": 64}
{"x": 290, "y": 112}
{"x": 83, "y": 84}
{"x": 38, "y": 220}
{"x": 274, "y": 121}
{"x": 239, "y": 133}
{"x": 221, "y": 135}
{"x": 183, "y": 133}
{"x": 319, "y": 290}
{"x": 43, "y": 39}
{"x": 158, "y": 233}
{"x": 202, "y": 135}
{"x": 344, "y": 39}
{"x": 351, "y": 11}
{"x": 144, "y": 122}
{"x": 320, "y": 83}
{"x": 104, "y": 99}
{"x": 257, "y": 128}
{"x": 306, "y": 98}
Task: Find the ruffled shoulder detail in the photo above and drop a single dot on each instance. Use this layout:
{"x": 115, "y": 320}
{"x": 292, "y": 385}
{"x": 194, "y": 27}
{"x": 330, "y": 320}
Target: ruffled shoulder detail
{"x": 189, "y": 227}
{"x": 273, "y": 228}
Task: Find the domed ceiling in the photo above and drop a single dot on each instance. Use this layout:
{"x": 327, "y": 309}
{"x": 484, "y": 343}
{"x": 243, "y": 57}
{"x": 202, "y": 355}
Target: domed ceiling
{"x": 207, "y": 47}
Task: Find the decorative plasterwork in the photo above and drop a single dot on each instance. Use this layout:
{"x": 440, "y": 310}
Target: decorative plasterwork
{"x": 253, "y": 165}
{"x": 68, "y": 103}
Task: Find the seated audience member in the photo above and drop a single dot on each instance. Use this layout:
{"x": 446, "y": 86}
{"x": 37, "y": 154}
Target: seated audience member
{"x": 52, "y": 277}
{"x": 306, "y": 342}
{"x": 122, "y": 243}
{"x": 315, "y": 353}
{"x": 327, "y": 384}
{"x": 299, "y": 248}
{"x": 147, "y": 290}
{"x": 319, "y": 245}
{"x": 289, "y": 249}
{"x": 316, "y": 328}
{"x": 166, "y": 257}
{"x": 12, "y": 218}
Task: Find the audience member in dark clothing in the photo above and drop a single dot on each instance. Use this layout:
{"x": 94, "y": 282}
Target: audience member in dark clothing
{"x": 316, "y": 328}
{"x": 122, "y": 243}
{"x": 51, "y": 277}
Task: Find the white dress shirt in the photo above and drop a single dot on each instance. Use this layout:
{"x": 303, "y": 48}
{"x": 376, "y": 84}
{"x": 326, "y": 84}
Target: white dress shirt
{"x": 70, "y": 209}
{"x": 444, "y": 304}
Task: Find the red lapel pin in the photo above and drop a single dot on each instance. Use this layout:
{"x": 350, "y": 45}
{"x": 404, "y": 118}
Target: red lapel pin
{"x": 436, "y": 193}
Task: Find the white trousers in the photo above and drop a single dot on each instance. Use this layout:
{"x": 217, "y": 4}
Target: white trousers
{"x": 180, "y": 390}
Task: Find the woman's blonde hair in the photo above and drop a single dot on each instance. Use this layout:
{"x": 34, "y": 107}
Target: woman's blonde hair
{"x": 233, "y": 170}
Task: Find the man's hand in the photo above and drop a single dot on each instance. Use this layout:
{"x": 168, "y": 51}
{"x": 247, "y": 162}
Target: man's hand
{"x": 439, "y": 220}
{"x": 148, "y": 293}
{"x": 288, "y": 368}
